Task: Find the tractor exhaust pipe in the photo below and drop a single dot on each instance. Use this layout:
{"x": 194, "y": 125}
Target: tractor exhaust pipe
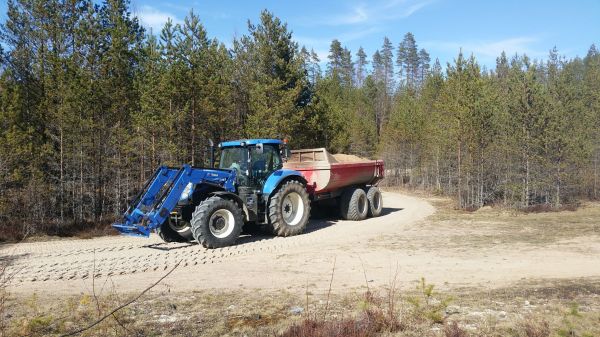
{"x": 211, "y": 148}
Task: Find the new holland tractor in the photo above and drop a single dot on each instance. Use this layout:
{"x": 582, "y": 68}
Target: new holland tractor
{"x": 251, "y": 186}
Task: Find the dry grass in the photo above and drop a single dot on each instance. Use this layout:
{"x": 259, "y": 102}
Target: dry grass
{"x": 534, "y": 328}
{"x": 565, "y": 308}
{"x": 13, "y": 232}
{"x": 491, "y": 226}
{"x": 453, "y": 330}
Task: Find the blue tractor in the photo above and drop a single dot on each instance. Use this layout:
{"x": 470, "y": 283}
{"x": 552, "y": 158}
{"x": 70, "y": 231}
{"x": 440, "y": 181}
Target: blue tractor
{"x": 211, "y": 205}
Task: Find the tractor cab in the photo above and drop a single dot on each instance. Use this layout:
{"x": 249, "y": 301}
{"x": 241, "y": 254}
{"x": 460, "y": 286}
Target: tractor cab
{"x": 253, "y": 160}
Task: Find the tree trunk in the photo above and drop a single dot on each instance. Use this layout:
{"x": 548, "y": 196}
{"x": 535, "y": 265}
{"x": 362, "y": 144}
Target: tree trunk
{"x": 459, "y": 182}
{"x": 193, "y": 131}
{"x": 62, "y": 178}
{"x": 558, "y": 182}
{"x": 142, "y": 157}
{"x": 595, "y": 192}
{"x": 526, "y": 187}
{"x": 438, "y": 183}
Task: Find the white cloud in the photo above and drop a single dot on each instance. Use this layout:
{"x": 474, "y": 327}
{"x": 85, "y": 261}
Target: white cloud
{"x": 414, "y": 8}
{"x": 155, "y": 19}
{"x": 357, "y": 15}
{"x": 376, "y": 13}
{"x": 344, "y": 38}
{"x": 489, "y": 50}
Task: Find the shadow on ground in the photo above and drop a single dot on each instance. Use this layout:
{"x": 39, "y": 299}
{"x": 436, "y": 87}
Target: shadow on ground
{"x": 254, "y": 234}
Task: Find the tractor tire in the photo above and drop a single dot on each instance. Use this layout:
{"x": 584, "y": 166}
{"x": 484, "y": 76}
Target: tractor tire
{"x": 183, "y": 228}
{"x": 354, "y": 204}
{"x": 375, "y": 201}
{"x": 289, "y": 209}
{"x": 217, "y": 222}
{"x": 168, "y": 234}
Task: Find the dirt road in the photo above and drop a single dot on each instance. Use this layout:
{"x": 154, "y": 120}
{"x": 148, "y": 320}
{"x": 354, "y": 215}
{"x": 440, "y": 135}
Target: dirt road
{"x": 365, "y": 252}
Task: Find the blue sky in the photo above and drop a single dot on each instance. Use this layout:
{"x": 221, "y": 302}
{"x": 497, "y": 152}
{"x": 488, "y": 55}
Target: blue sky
{"x": 484, "y": 28}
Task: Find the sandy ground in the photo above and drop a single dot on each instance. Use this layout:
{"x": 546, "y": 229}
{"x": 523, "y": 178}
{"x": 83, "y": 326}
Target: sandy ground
{"x": 365, "y": 252}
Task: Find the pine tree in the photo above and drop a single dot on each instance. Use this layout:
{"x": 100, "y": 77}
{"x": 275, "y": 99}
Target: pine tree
{"x": 387, "y": 63}
{"x": 334, "y": 66}
{"x": 424, "y": 65}
{"x": 526, "y": 104}
{"x": 278, "y": 93}
{"x": 591, "y": 99}
{"x": 408, "y": 61}
{"x": 361, "y": 64}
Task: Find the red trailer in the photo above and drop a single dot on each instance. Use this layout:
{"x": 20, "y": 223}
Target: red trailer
{"x": 351, "y": 180}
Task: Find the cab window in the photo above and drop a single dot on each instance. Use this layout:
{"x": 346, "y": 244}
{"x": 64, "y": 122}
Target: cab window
{"x": 265, "y": 163}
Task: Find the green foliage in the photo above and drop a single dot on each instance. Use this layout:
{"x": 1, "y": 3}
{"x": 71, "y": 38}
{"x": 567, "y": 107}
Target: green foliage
{"x": 90, "y": 104}
{"x": 426, "y": 306}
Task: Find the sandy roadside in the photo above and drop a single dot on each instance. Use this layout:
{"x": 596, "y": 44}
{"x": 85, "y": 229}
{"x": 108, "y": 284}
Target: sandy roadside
{"x": 360, "y": 250}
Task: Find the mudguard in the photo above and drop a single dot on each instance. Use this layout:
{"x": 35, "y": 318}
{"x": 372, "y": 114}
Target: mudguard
{"x": 277, "y": 177}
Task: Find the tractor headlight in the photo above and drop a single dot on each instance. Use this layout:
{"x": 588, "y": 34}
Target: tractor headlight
{"x": 187, "y": 192}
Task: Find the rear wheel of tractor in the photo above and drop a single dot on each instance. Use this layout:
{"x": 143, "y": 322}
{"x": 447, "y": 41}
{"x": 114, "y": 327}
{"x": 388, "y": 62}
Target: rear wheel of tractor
{"x": 375, "y": 201}
{"x": 217, "y": 222}
{"x": 289, "y": 209}
{"x": 168, "y": 234}
{"x": 354, "y": 204}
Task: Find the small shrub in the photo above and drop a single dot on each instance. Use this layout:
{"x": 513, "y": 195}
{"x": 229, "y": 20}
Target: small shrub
{"x": 453, "y": 330}
{"x": 314, "y": 328}
{"x": 536, "y": 329}
{"x": 377, "y": 316}
{"x": 37, "y": 326}
{"x": 425, "y": 306}
{"x": 545, "y": 208}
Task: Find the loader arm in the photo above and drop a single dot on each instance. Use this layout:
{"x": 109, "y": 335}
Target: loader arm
{"x": 163, "y": 191}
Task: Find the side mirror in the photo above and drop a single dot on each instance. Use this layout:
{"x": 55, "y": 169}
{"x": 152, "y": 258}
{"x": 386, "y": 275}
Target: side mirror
{"x": 285, "y": 153}
{"x": 260, "y": 148}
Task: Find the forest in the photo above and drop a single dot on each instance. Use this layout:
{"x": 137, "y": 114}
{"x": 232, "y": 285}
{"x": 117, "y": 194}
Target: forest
{"x": 91, "y": 103}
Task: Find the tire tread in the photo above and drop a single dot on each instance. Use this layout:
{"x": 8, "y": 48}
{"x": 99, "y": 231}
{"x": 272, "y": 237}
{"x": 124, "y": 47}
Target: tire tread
{"x": 201, "y": 216}
{"x": 276, "y": 223}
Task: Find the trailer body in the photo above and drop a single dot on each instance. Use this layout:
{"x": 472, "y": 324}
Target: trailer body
{"x": 328, "y": 177}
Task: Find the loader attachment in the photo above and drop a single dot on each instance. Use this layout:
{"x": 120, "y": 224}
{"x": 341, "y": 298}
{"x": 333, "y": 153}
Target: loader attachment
{"x": 135, "y": 218}
{"x": 161, "y": 194}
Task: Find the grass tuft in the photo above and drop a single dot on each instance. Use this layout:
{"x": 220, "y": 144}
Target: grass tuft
{"x": 536, "y": 328}
{"x": 453, "y": 330}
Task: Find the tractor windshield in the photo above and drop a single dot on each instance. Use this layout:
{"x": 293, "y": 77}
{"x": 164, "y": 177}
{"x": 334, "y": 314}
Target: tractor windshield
{"x": 234, "y": 158}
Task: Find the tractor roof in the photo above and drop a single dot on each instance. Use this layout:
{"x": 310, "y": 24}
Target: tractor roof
{"x": 239, "y": 142}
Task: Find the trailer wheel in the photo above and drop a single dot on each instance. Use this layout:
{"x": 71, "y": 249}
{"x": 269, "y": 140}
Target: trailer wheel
{"x": 289, "y": 209}
{"x": 375, "y": 201}
{"x": 168, "y": 234}
{"x": 217, "y": 222}
{"x": 354, "y": 204}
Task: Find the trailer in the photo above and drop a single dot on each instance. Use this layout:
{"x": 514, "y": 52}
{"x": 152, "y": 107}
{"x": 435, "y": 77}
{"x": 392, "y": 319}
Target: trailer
{"x": 344, "y": 178}
{"x": 257, "y": 182}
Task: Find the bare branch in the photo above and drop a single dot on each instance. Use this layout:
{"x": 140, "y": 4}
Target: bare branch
{"x": 73, "y": 333}
{"x": 330, "y": 283}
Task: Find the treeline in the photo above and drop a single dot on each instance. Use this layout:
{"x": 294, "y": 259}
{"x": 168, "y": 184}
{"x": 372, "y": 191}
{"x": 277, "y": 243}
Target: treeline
{"x": 91, "y": 103}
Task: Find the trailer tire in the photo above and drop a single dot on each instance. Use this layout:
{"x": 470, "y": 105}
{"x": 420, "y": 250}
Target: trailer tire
{"x": 168, "y": 234}
{"x": 375, "y": 201}
{"x": 289, "y": 209}
{"x": 217, "y": 222}
{"x": 354, "y": 204}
